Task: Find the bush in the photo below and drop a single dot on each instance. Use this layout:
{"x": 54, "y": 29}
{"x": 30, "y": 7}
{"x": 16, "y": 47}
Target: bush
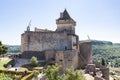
{"x": 12, "y": 72}
{"x": 34, "y": 61}
{"x": 35, "y": 73}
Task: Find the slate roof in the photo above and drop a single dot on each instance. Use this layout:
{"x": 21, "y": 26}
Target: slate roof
{"x": 65, "y": 16}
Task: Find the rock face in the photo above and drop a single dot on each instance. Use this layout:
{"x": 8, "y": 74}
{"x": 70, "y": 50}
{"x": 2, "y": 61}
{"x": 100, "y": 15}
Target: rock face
{"x": 60, "y": 46}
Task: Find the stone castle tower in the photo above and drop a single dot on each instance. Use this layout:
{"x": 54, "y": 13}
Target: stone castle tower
{"x": 65, "y": 23}
{"x": 61, "y": 46}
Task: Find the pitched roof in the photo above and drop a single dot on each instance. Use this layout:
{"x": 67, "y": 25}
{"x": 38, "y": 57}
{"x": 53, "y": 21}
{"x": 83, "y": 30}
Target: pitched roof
{"x": 65, "y": 16}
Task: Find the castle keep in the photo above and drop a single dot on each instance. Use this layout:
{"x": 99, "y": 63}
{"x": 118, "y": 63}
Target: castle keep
{"x": 61, "y": 46}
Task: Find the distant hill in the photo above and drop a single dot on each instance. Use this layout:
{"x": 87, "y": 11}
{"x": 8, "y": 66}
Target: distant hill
{"x": 107, "y": 50}
{"x": 97, "y": 42}
{"x": 117, "y": 44}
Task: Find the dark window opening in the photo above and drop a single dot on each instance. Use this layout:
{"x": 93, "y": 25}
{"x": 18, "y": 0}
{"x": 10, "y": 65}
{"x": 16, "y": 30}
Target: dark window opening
{"x": 65, "y": 47}
{"x": 53, "y": 59}
{"x": 61, "y": 60}
{"x": 69, "y": 60}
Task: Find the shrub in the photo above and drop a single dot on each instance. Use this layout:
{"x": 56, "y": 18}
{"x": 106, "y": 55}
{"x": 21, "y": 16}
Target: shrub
{"x": 103, "y": 62}
{"x": 35, "y": 73}
{"x": 12, "y": 72}
{"x": 4, "y": 77}
{"x": 34, "y": 61}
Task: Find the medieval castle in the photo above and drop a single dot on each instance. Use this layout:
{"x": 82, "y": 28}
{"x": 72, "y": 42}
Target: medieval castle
{"x": 61, "y": 46}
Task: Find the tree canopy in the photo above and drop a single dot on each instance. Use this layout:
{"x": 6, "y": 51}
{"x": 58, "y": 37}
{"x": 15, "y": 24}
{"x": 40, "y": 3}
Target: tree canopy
{"x": 52, "y": 73}
{"x": 34, "y": 61}
{"x": 3, "y": 48}
{"x": 110, "y": 53}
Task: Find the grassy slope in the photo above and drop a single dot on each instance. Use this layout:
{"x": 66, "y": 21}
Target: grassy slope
{"x": 2, "y": 62}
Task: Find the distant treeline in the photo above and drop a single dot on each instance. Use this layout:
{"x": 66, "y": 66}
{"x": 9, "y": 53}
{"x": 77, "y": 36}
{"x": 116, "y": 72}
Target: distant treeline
{"x": 96, "y": 42}
{"x": 13, "y": 48}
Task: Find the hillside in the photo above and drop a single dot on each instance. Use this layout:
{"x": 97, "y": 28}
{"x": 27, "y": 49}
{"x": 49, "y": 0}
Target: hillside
{"x": 107, "y": 50}
{"x": 97, "y": 42}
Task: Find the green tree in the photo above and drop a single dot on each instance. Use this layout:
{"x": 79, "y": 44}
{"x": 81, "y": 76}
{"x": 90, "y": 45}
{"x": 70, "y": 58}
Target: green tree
{"x": 3, "y": 48}
{"x": 34, "y": 61}
{"x": 52, "y": 72}
{"x": 74, "y": 75}
{"x": 103, "y": 62}
{"x": 35, "y": 73}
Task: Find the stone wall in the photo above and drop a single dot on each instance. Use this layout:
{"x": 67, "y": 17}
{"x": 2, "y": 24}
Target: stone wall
{"x": 40, "y": 41}
{"x": 67, "y": 59}
{"x": 85, "y": 56}
{"x": 66, "y": 25}
{"x": 50, "y": 55}
{"x": 30, "y": 54}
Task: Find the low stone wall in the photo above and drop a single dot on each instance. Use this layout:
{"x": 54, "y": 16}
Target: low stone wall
{"x": 105, "y": 72}
{"x": 90, "y": 69}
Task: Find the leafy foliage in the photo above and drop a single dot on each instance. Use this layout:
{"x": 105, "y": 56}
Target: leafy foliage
{"x": 3, "y": 48}
{"x": 4, "y": 77}
{"x": 53, "y": 74}
{"x": 110, "y": 53}
{"x": 74, "y": 75}
{"x": 35, "y": 73}
{"x": 34, "y": 61}
{"x": 103, "y": 62}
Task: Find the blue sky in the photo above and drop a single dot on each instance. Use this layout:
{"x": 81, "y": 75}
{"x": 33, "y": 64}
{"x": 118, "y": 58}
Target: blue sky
{"x": 100, "y": 19}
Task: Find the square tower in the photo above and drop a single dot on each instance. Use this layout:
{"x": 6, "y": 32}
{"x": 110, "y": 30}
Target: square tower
{"x": 65, "y": 23}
